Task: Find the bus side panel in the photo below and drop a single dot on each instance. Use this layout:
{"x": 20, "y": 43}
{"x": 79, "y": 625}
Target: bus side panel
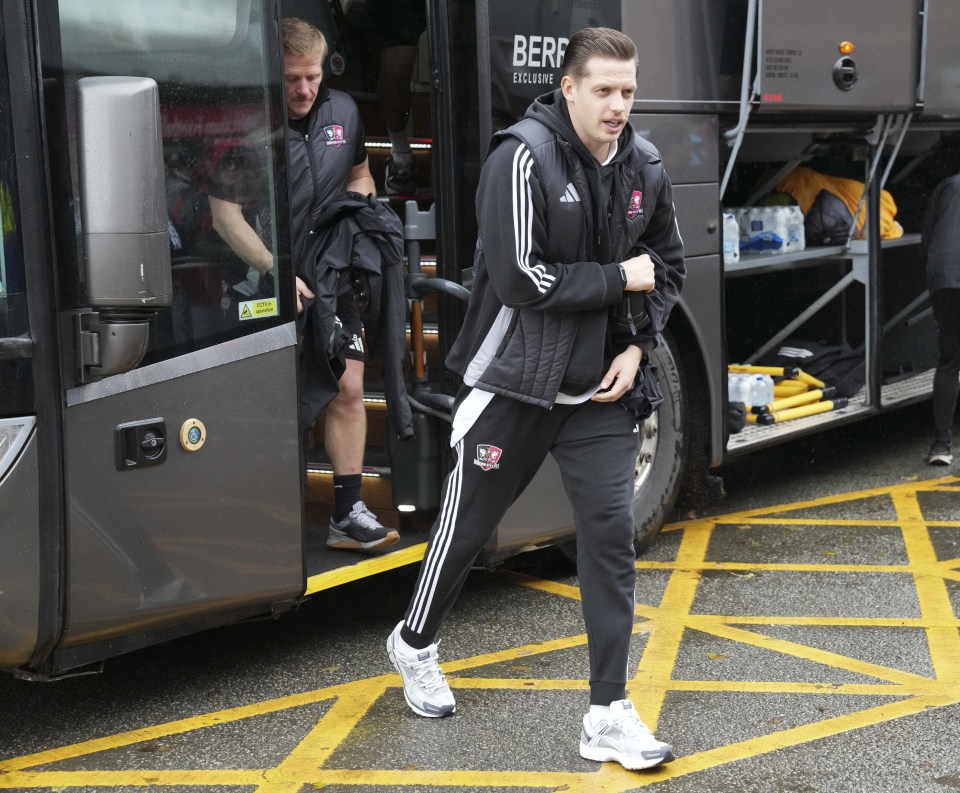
{"x": 690, "y": 51}
{"x": 941, "y": 89}
{"x": 20, "y": 560}
{"x": 801, "y": 65}
{"x": 701, "y": 306}
{"x": 690, "y": 147}
{"x": 205, "y": 532}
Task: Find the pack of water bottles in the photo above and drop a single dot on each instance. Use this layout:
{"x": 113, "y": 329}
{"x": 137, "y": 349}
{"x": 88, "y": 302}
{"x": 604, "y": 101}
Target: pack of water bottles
{"x": 752, "y": 390}
{"x": 772, "y": 229}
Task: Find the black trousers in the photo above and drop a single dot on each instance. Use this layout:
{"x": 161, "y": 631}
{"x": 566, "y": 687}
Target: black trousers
{"x": 946, "y": 381}
{"x": 595, "y": 446}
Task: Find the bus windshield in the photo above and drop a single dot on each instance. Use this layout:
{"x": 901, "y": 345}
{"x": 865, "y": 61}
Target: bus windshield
{"x": 16, "y": 387}
{"x": 222, "y": 124}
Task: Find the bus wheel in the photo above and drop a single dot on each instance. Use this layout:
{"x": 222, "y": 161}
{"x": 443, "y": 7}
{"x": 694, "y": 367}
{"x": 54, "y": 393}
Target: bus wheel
{"x": 661, "y": 457}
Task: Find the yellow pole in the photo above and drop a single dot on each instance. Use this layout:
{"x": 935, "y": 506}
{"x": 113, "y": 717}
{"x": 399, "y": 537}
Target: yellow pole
{"x": 786, "y": 388}
{"x": 801, "y": 412}
{"x": 773, "y": 371}
{"x": 795, "y": 401}
{"x": 809, "y": 379}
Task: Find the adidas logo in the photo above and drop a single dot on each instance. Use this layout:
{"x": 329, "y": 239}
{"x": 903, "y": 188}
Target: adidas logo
{"x": 571, "y": 195}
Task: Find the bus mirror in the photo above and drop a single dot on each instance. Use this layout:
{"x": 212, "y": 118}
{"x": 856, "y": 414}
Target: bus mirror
{"x": 122, "y": 198}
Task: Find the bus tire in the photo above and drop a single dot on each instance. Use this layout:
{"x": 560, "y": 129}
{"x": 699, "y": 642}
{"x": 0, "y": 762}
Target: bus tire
{"x": 662, "y": 454}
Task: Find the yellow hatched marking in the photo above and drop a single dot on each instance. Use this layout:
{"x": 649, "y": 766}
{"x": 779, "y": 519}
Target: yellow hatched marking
{"x": 780, "y": 567}
{"x": 651, "y": 687}
{"x": 812, "y": 654}
{"x": 848, "y": 622}
{"x": 314, "y": 750}
{"x": 660, "y": 655}
{"x": 934, "y": 598}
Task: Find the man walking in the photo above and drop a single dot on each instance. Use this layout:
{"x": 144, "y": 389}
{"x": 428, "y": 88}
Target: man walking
{"x": 941, "y": 249}
{"x": 327, "y": 157}
{"x": 579, "y": 262}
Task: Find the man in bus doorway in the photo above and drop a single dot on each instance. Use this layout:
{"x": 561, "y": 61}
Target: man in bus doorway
{"x": 579, "y": 262}
{"x": 327, "y": 157}
{"x": 941, "y": 248}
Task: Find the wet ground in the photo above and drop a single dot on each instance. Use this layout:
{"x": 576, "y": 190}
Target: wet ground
{"x": 804, "y": 635}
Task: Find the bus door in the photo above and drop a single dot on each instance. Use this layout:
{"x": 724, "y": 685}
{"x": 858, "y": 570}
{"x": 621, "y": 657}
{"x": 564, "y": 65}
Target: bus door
{"x": 22, "y": 455}
{"x": 181, "y": 454}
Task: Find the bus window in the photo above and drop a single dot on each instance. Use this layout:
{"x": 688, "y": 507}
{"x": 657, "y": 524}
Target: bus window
{"x": 222, "y": 125}
{"x": 16, "y": 387}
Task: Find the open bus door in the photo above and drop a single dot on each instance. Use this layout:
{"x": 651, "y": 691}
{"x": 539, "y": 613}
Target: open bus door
{"x": 177, "y": 386}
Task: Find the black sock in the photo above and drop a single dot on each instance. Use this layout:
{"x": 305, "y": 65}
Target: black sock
{"x": 346, "y": 493}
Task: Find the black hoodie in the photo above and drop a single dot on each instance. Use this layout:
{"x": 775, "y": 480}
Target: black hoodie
{"x": 546, "y": 275}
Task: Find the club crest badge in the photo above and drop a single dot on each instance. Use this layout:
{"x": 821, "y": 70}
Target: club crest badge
{"x": 488, "y": 456}
{"x": 334, "y": 135}
{"x": 635, "y": 208}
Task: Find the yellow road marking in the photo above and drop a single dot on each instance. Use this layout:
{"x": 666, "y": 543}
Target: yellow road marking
{"x": 819, "y": 656}
{"x": 667, "y": 623}
{"x": 660, "y": 654}
{"x": 934, "y": 598}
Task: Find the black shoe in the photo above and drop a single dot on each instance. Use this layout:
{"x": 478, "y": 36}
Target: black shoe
{"x": 940, "y": 453}
{"x": 400, "y": 176}
{"x": 360, "y": 531}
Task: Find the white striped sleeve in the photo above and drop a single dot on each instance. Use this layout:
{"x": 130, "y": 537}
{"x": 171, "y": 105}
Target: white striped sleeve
{"x": 523, "y": 219}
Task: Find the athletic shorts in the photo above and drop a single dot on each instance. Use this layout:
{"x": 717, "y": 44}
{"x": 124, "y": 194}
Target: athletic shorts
{"x": 348, "y": 315}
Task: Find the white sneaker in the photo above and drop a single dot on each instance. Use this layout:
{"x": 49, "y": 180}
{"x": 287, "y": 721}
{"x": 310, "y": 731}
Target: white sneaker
{"x": 624, "y": 738}
{"x": 424, "y": 686}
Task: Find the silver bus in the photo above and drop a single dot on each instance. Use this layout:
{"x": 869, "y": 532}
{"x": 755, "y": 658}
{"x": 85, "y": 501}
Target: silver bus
{"x": 153, "y": 477}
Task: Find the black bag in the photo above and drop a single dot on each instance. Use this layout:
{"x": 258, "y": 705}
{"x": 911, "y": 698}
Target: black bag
{"x": 645, "y": 396}
{"x": 837, "y": 365}
{"x": 828, "y": 221}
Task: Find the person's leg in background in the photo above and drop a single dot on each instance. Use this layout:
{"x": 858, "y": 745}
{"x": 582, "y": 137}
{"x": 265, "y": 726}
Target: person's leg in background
{"x": 400, "y": 25}
{"x": 946, "y": 380}
{"x": 353, "y": 526}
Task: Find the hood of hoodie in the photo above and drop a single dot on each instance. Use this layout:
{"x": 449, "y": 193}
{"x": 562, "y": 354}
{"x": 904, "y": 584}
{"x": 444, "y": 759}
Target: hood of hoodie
{"x": 551, "y": 109}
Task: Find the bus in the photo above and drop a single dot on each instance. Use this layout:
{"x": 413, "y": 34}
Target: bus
{"x": 154, "y": 480}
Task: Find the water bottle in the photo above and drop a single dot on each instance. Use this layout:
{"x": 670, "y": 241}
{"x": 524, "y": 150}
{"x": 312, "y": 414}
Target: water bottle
{"x": 761, "y": 390}
{"x": 742, "y": 214}
{"x": 779, "y": 217}
{"x": 738, "y": 388}
{"x": 796, "y": 239}
{"x": 731, "y": 238}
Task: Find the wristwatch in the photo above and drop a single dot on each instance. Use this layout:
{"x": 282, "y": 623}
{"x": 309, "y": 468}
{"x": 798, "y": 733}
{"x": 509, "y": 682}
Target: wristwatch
{"x": 623, "y": 276}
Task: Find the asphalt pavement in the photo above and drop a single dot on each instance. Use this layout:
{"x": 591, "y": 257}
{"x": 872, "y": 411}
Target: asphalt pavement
{"x": 800, "y": 636}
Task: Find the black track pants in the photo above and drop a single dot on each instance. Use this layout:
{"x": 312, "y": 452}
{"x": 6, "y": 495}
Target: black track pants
{"x": 946, "y": 386}
{"x": 595, "y": 446}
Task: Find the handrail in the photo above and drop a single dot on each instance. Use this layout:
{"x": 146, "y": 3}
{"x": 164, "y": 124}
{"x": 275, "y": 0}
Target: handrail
{"x": 418, "y": 286}
{"x": 746, "y": 95}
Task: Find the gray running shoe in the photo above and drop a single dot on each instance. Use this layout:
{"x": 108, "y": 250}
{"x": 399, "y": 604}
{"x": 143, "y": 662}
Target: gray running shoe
{"x": 360, "y": 531}
{"x": 624, "y": 738}
{"x": 940, "y": 453}
{"x": 424, "y": 686}
{"x": 399, "y": 176}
